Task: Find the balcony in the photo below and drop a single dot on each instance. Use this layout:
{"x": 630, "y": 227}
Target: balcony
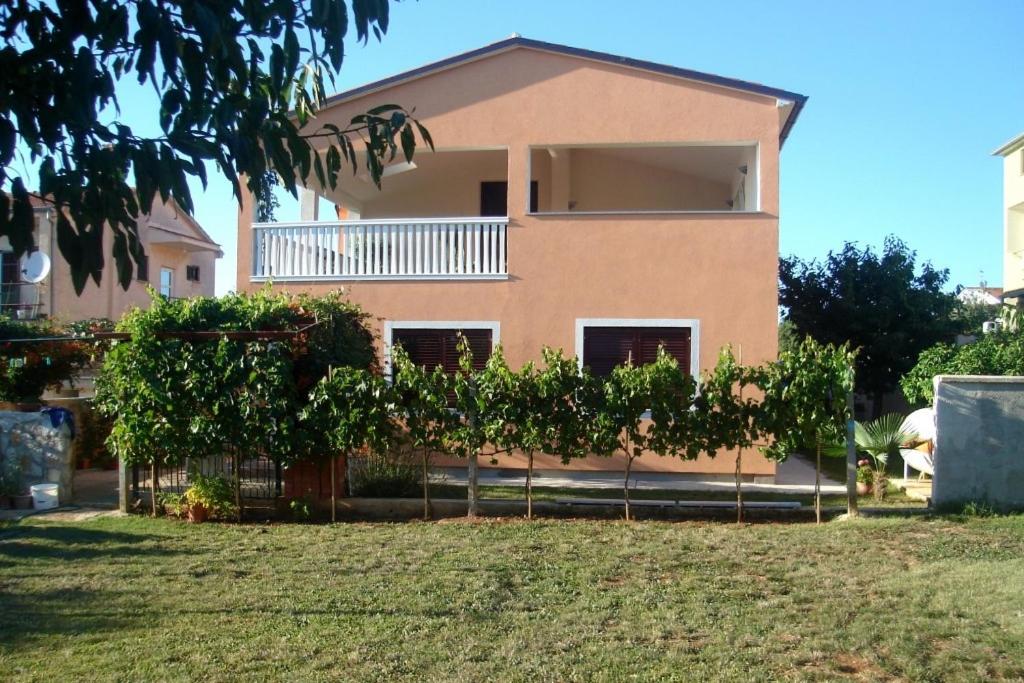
{"x": 381, "y": 249}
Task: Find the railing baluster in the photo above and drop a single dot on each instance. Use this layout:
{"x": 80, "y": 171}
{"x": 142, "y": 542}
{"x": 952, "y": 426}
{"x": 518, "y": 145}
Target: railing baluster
{"x": 502, "y": 236}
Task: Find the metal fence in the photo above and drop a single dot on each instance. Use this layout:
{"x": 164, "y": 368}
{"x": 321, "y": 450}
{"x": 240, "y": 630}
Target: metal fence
{"x": 260, "y": 478}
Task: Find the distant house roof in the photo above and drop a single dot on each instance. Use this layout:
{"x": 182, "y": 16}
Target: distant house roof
{"x": 1010, "y": 146}
{"x": 985, "y": 295}
{"x": 796, "y": 100}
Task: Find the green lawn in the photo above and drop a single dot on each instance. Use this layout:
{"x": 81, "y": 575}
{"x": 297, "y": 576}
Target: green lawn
{"x": 140, "y": 599}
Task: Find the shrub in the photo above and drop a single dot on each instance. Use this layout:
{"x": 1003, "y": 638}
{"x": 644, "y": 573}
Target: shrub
{"x": 173, "y": 396}
{"x": 395, "y": 474}
{"x": 212, "y": 492}
{"x": 28, "y": 368}
{"x": 1000, "y": 353}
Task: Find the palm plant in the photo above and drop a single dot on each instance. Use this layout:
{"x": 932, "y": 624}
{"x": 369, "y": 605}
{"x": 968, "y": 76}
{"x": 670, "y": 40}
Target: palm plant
{"x": 880, "y": 439}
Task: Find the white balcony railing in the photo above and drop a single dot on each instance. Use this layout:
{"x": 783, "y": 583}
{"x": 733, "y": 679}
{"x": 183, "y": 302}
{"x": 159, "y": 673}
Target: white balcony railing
{"x": 392, "y": 249}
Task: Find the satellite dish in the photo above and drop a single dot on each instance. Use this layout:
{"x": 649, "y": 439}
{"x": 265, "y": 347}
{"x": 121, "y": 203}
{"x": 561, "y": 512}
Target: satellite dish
{"x": 35, "y": 267}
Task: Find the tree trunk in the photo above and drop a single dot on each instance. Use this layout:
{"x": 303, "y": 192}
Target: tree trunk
{"x": 472, "y": 487}
{"x": 851, "y": 461}
{"x": 739, "y": 487}
{"x": 625, "y": 487}
{"x": 529, "y": 485}
{"x": 426, "y": 485}
{"x": 817, "y": 485}
{"x": 153, "y": 484}
{"x": 334, "y": 490}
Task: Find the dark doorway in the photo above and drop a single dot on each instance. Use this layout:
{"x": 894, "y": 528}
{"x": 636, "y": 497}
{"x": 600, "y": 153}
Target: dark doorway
{"x": 494, "y": 197}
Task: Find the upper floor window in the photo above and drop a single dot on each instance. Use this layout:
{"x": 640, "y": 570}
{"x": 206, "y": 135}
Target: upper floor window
{"x": 166, "y": 283}
{"x": 646, "y": 178}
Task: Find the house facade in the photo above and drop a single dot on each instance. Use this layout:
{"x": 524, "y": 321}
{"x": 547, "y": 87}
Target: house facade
{"x": 180, "y": 263}
{"x": 1012, "y": 154}
{"x": 575, "y": 199}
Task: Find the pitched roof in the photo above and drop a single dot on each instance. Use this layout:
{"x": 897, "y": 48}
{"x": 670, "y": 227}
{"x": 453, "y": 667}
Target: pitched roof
{"x": 797, "y": 100}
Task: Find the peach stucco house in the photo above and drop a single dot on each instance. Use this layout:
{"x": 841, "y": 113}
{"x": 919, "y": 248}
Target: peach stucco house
{"x": 180, "y": 263}
{"x": 575, "y": 199}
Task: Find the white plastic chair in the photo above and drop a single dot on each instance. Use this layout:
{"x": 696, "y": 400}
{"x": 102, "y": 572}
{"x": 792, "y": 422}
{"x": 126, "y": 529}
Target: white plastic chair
{"x": 922, "y": 423}
{"x": 918, "y": 460}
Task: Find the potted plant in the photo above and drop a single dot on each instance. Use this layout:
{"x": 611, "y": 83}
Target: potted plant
{"x": 880, "y": 439}
{"x": 865, "y": 477}
{"x": 208, "y": 496}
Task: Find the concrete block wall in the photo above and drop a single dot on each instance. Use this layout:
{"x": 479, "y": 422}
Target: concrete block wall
{"x": 979, "y": 442}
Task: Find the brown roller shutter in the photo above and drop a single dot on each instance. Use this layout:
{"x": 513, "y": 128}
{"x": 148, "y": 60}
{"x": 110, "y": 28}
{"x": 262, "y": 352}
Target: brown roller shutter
{"x": 606, "y": 347}
{"x": 431, "y": 348}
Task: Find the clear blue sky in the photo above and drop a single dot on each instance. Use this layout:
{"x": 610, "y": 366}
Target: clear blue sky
{"x": 907, "y": 101}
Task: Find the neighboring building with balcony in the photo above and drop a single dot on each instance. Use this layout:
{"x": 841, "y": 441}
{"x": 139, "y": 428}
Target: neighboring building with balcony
{"x": 1013, "y": 220}
{"x": 575, "y": 199}
{"x": 180, "y": 263}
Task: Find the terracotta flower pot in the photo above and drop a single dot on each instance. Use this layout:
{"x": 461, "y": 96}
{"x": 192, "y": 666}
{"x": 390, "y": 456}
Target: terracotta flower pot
{"x": 863, "y": 488}
{"x": 197, "y": 514}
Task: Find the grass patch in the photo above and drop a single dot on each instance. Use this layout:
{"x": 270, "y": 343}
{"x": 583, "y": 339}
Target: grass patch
{"x": 142, "y": 599}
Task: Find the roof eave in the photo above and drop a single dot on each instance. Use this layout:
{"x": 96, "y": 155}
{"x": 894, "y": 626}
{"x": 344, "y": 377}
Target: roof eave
{"x": 1010, "y": 147}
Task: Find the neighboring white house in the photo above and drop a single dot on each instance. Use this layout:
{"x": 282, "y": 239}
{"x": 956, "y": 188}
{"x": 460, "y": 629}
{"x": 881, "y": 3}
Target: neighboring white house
{"x": 991, "y": 296}
{"x": 1013, "y": 216}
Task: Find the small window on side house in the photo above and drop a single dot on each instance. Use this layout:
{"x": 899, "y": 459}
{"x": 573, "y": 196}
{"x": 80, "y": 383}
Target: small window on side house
{"x": 166, "y": 283}
{"x": 192, "y": 273}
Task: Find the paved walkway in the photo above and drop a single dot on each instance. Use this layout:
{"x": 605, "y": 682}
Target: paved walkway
{"x": 794, "y": 476}
{"x": 95, "y": 496}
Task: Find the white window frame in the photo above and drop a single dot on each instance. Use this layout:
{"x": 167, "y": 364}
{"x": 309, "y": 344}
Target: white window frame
{"x": 692, "y": 323}
{"x": 391, "y": 325}
{"x": 170, "y": 282}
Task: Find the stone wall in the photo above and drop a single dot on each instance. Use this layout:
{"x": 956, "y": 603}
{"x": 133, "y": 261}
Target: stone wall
{"x": 42, "y": 451}
{"x": 979, "y": 442}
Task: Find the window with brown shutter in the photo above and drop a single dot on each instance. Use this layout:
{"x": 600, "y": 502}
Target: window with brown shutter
{"x": 430, "y": 348}
{"x": 606, "y": 347}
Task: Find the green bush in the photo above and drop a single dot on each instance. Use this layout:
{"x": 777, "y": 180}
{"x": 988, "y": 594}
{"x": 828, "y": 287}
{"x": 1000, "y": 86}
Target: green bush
{"x": 171, "y": 396}
{"x": 396, "y": 474}
{"x": 1000, "y": 353}
{"x": 28, "y": 368}
{"x": 212, "y": 492}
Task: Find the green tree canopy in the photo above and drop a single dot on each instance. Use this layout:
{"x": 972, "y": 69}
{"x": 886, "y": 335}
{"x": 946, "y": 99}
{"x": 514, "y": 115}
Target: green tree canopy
{"x": 880, "y": 303}
{"x": 237, "y": 85}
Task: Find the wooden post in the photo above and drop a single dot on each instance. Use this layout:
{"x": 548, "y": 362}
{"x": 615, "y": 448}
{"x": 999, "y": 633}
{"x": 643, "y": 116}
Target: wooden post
{"x": 153, "y": 484}
{"x": 739, "y": 459}
{"x": 817, "y": 483}
{"x": 851, "y": 461}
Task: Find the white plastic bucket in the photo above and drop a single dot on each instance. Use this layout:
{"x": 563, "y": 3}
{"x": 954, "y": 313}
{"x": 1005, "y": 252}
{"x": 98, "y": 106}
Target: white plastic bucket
{"x": 44, "y": 496}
